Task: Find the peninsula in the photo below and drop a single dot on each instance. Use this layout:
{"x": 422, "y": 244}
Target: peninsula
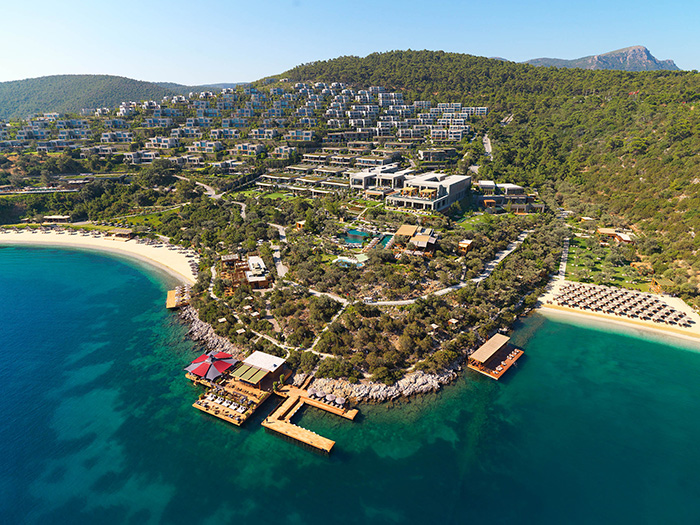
{"x": 374, "y": 231}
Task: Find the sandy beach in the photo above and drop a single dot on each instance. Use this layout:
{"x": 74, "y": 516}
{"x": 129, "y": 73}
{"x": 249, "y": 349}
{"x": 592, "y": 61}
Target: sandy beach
{"x": 171, "y": 261}
{"x": 692, "y": 333}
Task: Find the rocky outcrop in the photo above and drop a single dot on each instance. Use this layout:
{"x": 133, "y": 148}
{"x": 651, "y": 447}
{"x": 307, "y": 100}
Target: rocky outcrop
{"x": 202, "y": 332}
{"x": 634, "y": 58}
{"x": 412, "y": 384}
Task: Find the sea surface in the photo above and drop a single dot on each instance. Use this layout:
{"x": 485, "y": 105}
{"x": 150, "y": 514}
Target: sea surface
{"x": 97, "y": 426}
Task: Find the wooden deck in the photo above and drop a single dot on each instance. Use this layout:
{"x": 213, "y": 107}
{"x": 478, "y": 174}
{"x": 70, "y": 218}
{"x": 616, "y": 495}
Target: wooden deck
{"x": 174, "y": 300}
{"x": 291, "y": 392}
{"x": 246, "y": 396}
{"x": 505, "y": 362}
{"x": 280, "y": 420}
{"x": 299, "y": 434}
{"x": 227, "y": 414}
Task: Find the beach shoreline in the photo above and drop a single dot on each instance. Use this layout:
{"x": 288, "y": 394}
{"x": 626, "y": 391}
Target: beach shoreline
{"x": 175, "y": 264}
{"x": 659, "y": 330}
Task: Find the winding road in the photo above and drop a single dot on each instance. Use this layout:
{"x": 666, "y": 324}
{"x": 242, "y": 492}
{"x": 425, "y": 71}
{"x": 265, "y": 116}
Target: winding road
{"x": 210, "y": 192}
{"x": 487, "y": 145}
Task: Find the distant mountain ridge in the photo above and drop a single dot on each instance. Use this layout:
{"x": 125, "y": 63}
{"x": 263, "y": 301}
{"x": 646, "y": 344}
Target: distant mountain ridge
{"x": 634, "y": 58}
{"x": 71, "y": 93}
{"x": 182, "y": 89}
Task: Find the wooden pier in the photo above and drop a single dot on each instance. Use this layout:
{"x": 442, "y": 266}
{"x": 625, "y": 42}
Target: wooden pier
{"x": 280, "y": 420}
{"x": 235, "y": 401}
{"x": 175, "y": 300}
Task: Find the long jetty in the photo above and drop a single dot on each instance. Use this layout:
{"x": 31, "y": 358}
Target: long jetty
{"x": 280, "y": 420}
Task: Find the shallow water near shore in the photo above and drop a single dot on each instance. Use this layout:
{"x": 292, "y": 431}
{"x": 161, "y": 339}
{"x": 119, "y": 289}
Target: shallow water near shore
{"x": 591, "y": 427}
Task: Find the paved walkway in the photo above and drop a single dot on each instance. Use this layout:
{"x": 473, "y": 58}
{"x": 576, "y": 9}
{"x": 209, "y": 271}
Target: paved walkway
{"x": 276, "y": 253}
{"x": 211, "y": 283}
{"x": 487, "y": 145}
{"x": 242, "y": 205}
{"x": 564, "y": 258}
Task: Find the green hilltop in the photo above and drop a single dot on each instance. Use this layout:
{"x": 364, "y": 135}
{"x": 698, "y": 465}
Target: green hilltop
{"x": 617, "y": 145}
{"x": 71, "y": 93}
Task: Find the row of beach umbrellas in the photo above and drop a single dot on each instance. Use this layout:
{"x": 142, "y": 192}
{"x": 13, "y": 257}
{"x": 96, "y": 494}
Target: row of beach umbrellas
{"x": 620, "y": 302}
{"x": 323, "y": 396}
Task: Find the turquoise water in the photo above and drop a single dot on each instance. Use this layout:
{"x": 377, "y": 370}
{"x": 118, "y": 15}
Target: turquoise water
{"x": 346, "y": 262}
{"x": 592, "y": 427}
{"x": 385, "y": 240}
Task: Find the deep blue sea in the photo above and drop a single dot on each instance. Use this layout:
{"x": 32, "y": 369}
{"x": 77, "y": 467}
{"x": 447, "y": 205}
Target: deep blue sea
{"x": 97, "y": 425}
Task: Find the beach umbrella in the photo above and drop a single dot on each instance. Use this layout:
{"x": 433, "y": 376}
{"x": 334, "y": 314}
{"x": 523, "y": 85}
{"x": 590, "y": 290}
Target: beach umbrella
{"x": 211, "y": 366}
{"x": 330, "y": 397}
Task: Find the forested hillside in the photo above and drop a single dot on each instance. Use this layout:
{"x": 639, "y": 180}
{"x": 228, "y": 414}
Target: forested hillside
{"x": 617, "y": 145}
{"x": 71, "y": 93}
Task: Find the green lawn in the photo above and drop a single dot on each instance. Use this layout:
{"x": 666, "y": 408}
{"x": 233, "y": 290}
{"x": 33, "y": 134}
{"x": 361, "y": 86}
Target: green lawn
{"x": 473, "y": 220}
{"x": 582, "y": 260}
{"x": 278, "y": 195}
{"x": 367, "y": 203}
{"x": 151, "y": 219}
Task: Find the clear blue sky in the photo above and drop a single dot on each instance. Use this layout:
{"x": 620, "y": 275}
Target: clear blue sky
{"x": 208, "y": 41}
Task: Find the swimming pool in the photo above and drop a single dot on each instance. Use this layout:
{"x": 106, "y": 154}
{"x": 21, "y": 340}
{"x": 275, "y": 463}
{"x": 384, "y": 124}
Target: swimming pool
{"x": 346, "y": 262}
{"x": 354, "y": 237}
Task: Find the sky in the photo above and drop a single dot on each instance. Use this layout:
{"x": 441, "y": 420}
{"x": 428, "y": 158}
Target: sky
{"x": 213, "y": 41}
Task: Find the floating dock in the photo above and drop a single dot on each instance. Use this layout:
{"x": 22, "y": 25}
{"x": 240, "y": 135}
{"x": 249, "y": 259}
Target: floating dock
{"x": 280, "y": 420}
{"x": 494, "y": 357}
{"x": 231, "y": 401}
{"x": 176, "y": 299}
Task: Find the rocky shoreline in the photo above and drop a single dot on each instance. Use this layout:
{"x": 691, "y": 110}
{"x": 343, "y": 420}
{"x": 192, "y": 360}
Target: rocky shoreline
{"x": 203, "y": 333}
{"x": 412, "y": 384}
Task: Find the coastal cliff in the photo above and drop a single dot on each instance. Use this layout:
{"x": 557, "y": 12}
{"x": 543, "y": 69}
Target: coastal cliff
{"x": 203, "y": 333}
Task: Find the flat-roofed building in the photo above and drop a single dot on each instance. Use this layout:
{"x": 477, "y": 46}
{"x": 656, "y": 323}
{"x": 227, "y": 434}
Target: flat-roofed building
{"x": 494, "y": 357}
{"x": 257, "y": 275}
{"x": 431, "y": 191}
{"x": 260, "y": 369}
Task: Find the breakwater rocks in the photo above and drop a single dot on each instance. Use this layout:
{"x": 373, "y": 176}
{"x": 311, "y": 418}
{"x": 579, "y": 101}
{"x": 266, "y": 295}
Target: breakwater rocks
{"x": 202, "y": 332}
{"x": 412, "y": 384}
